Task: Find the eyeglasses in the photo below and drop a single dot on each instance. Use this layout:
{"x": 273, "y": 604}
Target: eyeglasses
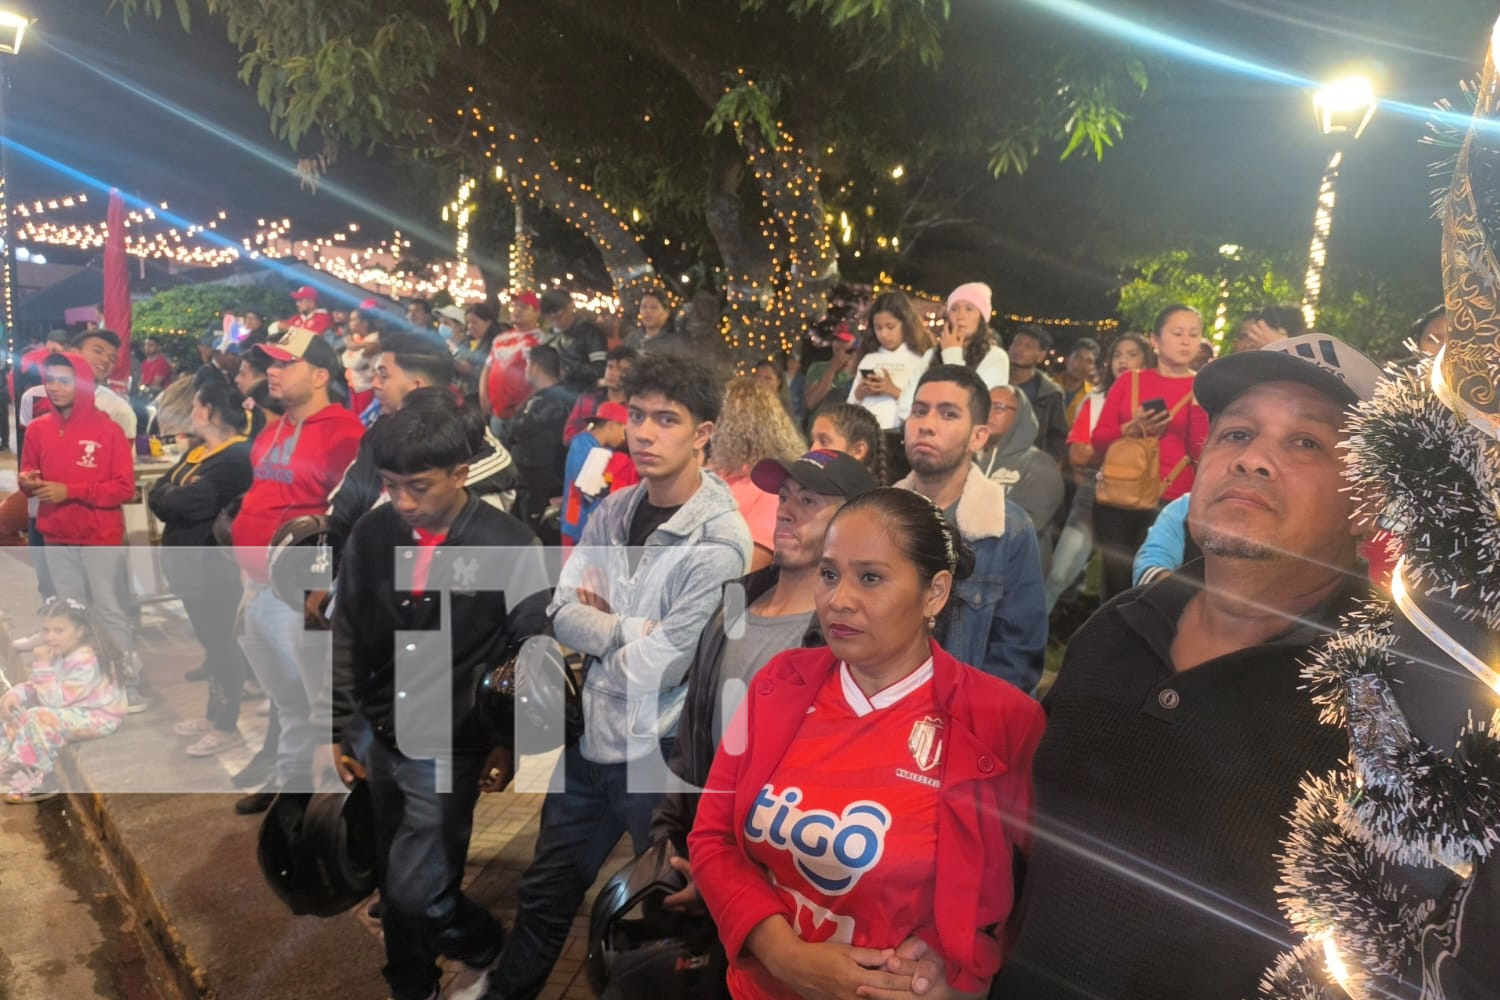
{"x": 1002, "y": 407}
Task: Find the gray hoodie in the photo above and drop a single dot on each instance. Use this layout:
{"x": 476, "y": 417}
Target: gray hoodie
{"x": 1030, "y": 477}
{"x": 641, "y": 649}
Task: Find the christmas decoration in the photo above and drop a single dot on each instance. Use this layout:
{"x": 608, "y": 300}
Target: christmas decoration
{"x": 1389, "y": 872}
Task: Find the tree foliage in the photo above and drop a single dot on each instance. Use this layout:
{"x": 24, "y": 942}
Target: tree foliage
{"x": 1370, "y": 313}
{"x": 656, "y": 110}
{"x": 194, "y": 309}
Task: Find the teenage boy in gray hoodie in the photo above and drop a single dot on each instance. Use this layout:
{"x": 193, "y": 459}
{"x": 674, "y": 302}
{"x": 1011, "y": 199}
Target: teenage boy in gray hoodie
{"x": 634, "y": 598}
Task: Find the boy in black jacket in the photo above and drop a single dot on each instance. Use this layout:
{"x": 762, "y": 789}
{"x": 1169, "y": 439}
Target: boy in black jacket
{"x": 411, "y": 571}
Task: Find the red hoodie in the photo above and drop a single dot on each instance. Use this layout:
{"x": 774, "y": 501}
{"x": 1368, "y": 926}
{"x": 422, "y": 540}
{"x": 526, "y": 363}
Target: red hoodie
{"x": 296, "y": 467}
{"x": 87, "y": 452}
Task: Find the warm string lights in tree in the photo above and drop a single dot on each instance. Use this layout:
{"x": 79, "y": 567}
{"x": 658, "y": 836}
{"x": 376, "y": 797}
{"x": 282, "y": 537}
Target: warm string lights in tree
{"x": 7, "y": 270}
{"x": 1317, "y": 254}
{"x": 530, "y": 173}
{"x": 767, "y": 313}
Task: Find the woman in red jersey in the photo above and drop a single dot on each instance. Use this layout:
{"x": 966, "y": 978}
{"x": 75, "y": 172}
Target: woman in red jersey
{"x": 873, "y": 791}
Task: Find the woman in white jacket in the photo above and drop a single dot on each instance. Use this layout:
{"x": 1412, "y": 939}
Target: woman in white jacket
{"x": 967, "y": 339}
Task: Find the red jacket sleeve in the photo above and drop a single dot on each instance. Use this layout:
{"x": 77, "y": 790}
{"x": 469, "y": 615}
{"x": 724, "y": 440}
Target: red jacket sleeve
{"x": 31, "y": 461}
{"x": 734, "y": 888}
{"x": 117, "y": 487}
{"x": 1115, "y": 414}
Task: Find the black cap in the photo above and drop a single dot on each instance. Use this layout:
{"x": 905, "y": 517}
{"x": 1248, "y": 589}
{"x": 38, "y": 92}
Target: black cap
{"x": 831, "y": 473}
{"x": 304, "y": 345}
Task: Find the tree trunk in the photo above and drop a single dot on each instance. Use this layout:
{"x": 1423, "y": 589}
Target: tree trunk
{"x": 532, "y": 173}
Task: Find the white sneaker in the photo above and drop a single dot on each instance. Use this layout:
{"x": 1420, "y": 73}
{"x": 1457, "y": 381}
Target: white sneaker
{"x": 26, "y": 644}
{"x": 469, "y": 983}
{"x": 215, "y": 741}
{"x": 193, "y": 727}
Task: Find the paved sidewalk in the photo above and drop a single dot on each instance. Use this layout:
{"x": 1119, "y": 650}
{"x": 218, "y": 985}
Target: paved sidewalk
{"x": 189, "y": 860}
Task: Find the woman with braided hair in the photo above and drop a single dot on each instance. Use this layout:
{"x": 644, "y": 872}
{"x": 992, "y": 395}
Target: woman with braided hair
{"x": 878, "y": 790}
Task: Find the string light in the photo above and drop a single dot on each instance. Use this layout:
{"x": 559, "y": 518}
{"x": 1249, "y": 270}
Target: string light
{"x": 1317, "y": 254}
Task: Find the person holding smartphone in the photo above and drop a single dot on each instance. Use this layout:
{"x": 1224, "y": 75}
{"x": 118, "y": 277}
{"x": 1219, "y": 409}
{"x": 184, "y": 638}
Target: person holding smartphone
{"x": 890, "y": 360}
{"x": 1165, "y": 411}
{"x": 827, "y": 378}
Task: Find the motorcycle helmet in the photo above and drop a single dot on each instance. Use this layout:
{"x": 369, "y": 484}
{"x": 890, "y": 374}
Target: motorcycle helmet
{"x": 293, "y": 570}
{"x": 640, "y": 950}
{"x": 535, "y": 687}
{"x": 317, "y": 851}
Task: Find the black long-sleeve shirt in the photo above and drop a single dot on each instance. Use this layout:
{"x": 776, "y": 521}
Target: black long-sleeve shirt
{"x": 1161, "y": 799}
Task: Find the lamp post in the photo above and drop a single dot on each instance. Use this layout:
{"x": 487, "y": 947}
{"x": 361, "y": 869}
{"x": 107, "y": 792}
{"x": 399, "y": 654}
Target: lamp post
{"x": 12, "y": 30}
{"x": 1343, "y": 109}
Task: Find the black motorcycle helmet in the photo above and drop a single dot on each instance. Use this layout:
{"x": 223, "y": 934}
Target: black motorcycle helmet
{"x": 293, "y": 575}
{"x": 317, "y": 851}
{"x": 640, "y": 950}
{"x": 536, "y": 686}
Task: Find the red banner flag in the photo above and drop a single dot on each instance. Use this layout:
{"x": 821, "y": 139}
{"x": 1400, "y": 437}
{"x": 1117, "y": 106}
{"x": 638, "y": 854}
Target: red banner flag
{"x": 117, "y": 289}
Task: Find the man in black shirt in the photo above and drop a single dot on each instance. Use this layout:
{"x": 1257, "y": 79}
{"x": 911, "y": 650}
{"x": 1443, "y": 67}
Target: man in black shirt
{"x": 1177, "y": 733}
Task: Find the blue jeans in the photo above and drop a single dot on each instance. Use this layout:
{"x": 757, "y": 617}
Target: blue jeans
{"x": 36, "y": 545}
{"x": 285, "y": 659}
{"x": 422, "y": 839}
{"x": 580, "y": 827}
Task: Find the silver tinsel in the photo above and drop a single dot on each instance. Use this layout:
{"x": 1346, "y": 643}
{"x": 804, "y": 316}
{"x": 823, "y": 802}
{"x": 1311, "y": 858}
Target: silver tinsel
{"x": 1434, "y": 481}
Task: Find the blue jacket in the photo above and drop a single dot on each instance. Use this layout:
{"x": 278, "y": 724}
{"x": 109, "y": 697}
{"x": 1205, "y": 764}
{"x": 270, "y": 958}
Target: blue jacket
{"x": 997, "y": 618}
{"x": 641, "y": 649}
{"x": 1163, "y": 550}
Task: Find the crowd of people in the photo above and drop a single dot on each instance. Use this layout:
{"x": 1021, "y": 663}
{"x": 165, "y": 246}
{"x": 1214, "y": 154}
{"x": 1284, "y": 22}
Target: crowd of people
{"x": 866, "y": 550}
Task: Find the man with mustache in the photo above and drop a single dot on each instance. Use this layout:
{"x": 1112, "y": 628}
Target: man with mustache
{"x": 1177, "y": 733}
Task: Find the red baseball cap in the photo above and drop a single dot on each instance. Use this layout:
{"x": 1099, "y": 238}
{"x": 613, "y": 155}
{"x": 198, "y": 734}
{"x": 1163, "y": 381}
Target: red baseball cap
{"x": 612, "y": 411}
{"x": 531, "y": 299}
{"x": 305, "y": 292}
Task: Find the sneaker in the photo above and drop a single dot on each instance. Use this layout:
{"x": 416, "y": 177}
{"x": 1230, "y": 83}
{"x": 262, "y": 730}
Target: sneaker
{"x": 262, "y": 768}
{"x": 469, "y": 982}
{"x": 193, "y": 727}
{"x": 215, "y": 741}
{"x": 257, "y": 802}
{"x": 27, "y": 643}
{"x": 253, "y": 689}
{"x": 138, "y": 703}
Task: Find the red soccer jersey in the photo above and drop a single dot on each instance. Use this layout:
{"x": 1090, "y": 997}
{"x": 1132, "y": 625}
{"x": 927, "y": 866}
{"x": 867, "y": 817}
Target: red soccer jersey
{"x": 847, "y": 826}
{"x": 505, "y": 373}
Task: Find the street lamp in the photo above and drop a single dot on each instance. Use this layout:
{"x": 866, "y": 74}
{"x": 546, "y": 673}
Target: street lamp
{"x": 1343, "y": 109}
{"x": 12, "y": 31}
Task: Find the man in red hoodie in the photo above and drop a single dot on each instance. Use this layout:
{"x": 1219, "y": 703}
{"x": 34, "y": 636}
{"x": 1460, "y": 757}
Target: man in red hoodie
{"x": 298, "y": 460}
{"x": 77, "y": 463}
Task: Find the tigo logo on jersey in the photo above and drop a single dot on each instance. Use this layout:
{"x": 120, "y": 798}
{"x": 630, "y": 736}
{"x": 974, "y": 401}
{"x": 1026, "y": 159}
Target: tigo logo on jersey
{"x": 831, "y": 851}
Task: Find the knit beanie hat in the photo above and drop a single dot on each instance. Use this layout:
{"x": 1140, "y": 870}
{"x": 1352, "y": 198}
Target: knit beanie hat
{"x": 976, "y": 294}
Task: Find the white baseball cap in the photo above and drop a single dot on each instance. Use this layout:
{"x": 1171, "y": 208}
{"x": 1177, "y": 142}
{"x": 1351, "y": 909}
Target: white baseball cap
{"x": 1315, "y": 360}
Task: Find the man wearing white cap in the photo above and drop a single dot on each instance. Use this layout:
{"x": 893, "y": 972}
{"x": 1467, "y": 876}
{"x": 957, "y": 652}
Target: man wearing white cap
{"x": 308, "y": 316}
{"x": 1177, "y": 731}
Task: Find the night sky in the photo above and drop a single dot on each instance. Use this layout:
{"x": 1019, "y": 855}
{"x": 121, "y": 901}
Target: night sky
{"x": 1212, "y": 155}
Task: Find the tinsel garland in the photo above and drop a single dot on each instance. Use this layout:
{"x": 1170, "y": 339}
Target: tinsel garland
{"x": 1400, "y": 803}
{"x": 1300, "y": 974}
{"x": 1422, "y": 473}
{"x": 1333, "y": 883}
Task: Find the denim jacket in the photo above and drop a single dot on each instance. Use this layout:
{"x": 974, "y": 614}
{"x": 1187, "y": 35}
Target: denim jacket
{"x": 641, "y": 649}
{"x": 997, "y": 618}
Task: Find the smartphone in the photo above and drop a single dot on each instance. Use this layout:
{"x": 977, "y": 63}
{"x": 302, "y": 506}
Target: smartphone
{"x": 1155, "y": 405}
{"x": 868, "y": 372}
